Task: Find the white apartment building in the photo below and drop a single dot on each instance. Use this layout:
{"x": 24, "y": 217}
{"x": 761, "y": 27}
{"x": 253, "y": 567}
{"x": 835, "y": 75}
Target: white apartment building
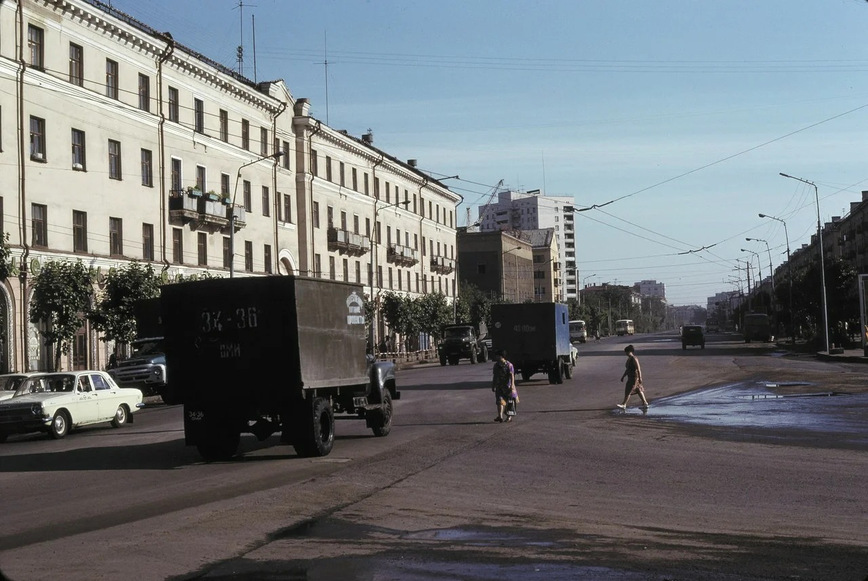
{"x": 651, "y": 288}
{"x": 119, "y": 144}
{"x": 532, "y": 211}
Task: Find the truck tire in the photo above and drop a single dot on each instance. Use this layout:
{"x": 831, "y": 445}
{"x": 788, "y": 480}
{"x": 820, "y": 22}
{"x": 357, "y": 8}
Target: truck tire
{"x": 442, "y": 360}
{"x": 220, "y": 443}
{"x": 473, "y": 356}
{"x": 382, "y": 421}
{"x": 568, "y": 371}
{"x": 318, "y": 430}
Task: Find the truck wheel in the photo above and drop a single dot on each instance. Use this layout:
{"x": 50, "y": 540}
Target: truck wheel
{"x": 568, "y": 371}
{"x": 220, "y": 443}
{"x": 318, "y": 430}
{"x": 442, "y": 360}
{"x": 383, "y": 417}
{"x": 473, "y": 356}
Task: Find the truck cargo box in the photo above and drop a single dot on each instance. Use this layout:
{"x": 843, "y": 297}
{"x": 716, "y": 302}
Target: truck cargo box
{"x": 535, "y": 336}
{"x": 263, "y": 339}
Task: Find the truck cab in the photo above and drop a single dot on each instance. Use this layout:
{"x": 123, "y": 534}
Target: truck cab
{"x": 145, "y": 369}
{"x": 463, "y": 342}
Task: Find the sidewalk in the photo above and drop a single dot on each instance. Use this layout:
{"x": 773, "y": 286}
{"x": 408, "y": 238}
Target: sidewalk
{"x": 839, "y": 355}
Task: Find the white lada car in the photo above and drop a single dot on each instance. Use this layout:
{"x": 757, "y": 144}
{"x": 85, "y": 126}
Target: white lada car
{"x": 57, "y": 402}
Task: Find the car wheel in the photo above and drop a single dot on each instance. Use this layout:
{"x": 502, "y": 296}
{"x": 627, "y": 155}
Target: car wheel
{"x": 59, "y": 425}
{"x": 383, "y": 420}
{"x": 121, "y": 416}
{"x": 319, "y": 428}
{"x": 473, "y": 356}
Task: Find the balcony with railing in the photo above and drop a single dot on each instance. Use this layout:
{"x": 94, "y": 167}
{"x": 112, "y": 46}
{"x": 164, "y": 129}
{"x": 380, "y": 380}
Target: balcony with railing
{"x": 402, "y": 255}
{"x": 347, "y": 242}
{"x": 442, "y": 264}
{"x": 202, "y": 211}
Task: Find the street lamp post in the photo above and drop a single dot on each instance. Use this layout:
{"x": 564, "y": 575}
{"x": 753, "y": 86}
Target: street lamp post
{"x": 375, "y": 240}
{"x": 758, "y": 282}
{"x": 825, "y": 312}
{"x": 584, "y": 281}
{"x": 789, "y": 275}
{"x": 771, "y": 273}
{"x": 275, "y": 156}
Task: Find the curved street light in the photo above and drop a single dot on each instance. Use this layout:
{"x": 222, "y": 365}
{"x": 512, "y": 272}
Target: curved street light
{"x": 825, "y": 312}
{"x": 275, "y": 156}
{"x": 771, "y": 269}
{"x": 789, "y": 274}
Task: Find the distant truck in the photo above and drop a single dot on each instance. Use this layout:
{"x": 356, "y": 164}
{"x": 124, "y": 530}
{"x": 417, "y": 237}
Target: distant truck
{"x": 578, "y": 331}
{"x": 145, "y": 369}
{"x": 757, "y": 326}
{"x": 273, "y": 354}
{"x": 536, "y": 338}
{"x": 463, "y": 342}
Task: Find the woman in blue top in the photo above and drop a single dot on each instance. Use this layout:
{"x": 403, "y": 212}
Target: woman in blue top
{"x": 503, "y": 385}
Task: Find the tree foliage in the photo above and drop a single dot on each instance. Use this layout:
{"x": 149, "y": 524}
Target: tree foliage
{"x": 434, "y": 313}
{"x": 5, "y": 257}
{"x": 61, "y": 296}
{"x": 114, "y": 313}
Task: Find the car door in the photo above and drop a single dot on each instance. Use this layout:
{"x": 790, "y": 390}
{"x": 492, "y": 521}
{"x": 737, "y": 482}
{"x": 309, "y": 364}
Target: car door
{"x": 108, "y": 399}
{"x": 86, "y": 409}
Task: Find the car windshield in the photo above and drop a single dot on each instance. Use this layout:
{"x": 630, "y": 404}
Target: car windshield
{"x": 458, "y": 333}
{"x": 46, "y": 383}
{"x": 11, "y": 382}
{"x": 147, "y": 347}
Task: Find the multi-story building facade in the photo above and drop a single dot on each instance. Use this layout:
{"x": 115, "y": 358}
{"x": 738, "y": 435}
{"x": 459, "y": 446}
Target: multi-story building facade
{"x": 531, "y": 211}
{"x": 651, "y": 288}
{"x": 498, "y": 264}
{"x": 546, "y": 265}
{"x": 119, "y": 144}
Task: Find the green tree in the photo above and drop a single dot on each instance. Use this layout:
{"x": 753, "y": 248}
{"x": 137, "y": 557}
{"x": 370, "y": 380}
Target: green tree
{"x": 114, "y": 313}
{"x": 434, "y": 313}
{"x": 61, "y": 295}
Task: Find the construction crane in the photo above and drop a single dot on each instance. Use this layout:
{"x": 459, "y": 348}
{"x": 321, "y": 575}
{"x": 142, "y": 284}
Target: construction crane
{"x": 483, "y": 211}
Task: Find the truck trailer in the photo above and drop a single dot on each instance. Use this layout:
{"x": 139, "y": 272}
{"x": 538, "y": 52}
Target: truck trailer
{"x": 273, "y": 354}
{"x": 536, "y": 338}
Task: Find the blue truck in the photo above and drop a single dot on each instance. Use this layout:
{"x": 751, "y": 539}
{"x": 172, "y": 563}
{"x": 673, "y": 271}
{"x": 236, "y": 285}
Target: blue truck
{"x": 536, "y": 338}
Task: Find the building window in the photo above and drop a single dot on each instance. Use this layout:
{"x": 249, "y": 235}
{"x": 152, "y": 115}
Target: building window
{"x": 147, "y": 168}
{"x": 199, "y": 115}
{"x": 285, "y": 151}
{"x": 177, "y": 246}
{"x": 144, "y": 92}
{"x": 248, "y": 202}
{"x": 227, "y": 253}
{"x": 224, "y": 125}
{"x": 346, "y": 269}
{"x": 111, "y": 79}
{"x": 314, "y": 169}
{"x": 114, "y": 153}
{"x": 328, "y": 168}
{"x": 202, "y": 248}
{"x": 330, "y": 216}
{"x": 147, "y": 241}
{"x": 342, "y": 171}
{"x": 116, "y": 237}
{"x": 245, "y": 134}
{"x": 37, "y": 139}
{"x": 266, "y": 251}
{"x": 315, "y": 214}
{"x": 224, "y": 184}
{"x": 174, "y": 108}
{"x": 36, "y": 44}
{"x": 266, "y": 201}
{"x": 263, "y": 141}
{"x": 79, "y": 231}
{"x": 39, "y": 225}
{"x": 79, "y": 161}
{"x": 176, "y": 175}
{"x": 332, "y": 274}
{"x": 248, "y": 256}
{"x": 367, "y": 187}
{"x": 287, "y": 208}
{"x": 76, "y": 64}
{"x": 355, "y": 180}
{"x": 358, "y": 272}
{"x": 317, "y": 265}
{"x": 200, "y": 178}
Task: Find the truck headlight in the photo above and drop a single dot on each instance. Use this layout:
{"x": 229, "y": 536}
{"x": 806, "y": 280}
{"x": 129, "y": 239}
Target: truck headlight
{"x": 158, "y": 373}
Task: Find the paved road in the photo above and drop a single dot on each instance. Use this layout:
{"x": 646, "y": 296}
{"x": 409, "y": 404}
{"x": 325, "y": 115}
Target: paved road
{"x": 573, "y": 489}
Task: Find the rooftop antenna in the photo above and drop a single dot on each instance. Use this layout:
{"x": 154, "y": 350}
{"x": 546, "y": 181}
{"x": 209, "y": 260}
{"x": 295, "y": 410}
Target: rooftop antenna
{"x": 239, "y": 51}
{"x": 253, "y": 21}
{"x": 326, "y": 66}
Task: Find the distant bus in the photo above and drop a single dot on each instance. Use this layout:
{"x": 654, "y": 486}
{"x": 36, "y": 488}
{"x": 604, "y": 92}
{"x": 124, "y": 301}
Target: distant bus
{"x": 578, "y": 331}
{"x": 624, "y": 327}
{"x": 757, "y": 326}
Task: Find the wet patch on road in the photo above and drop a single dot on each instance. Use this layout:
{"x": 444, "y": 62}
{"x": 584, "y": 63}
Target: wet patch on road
{"x": 789, "y": 407}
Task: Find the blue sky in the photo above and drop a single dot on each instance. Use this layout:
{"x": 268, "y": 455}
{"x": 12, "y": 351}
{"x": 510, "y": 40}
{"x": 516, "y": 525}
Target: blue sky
{"x": 682, "y": 111}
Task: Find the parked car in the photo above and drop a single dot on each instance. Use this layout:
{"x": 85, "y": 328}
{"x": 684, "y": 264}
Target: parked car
{"x": 10, "y": 383}
{"x": 692, "y": 335}
{"x": 57, "y": 402}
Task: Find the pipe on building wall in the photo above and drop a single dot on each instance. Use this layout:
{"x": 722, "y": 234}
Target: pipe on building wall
{"x": 277, "y": 194}
{"x": 310, "y": 255}
{"x": 161, "y": 138}
{"x": 22, "y": 190}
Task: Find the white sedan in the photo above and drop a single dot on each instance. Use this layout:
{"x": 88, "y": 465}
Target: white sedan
{"x": 57, "y": 402}
{"x": 10, "y": 383}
